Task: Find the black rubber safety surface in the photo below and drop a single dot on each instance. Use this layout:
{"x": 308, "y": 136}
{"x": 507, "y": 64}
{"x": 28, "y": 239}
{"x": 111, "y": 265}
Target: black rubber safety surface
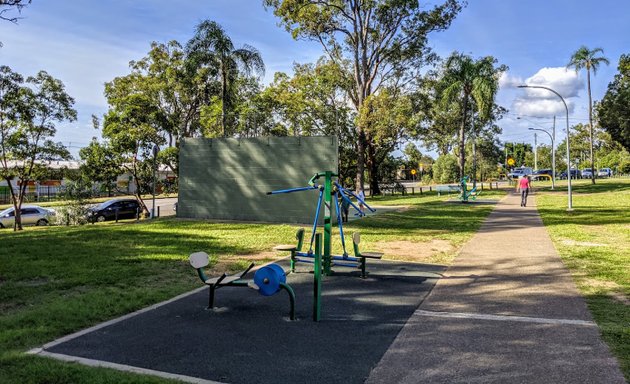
{"x": 248, "y": 338}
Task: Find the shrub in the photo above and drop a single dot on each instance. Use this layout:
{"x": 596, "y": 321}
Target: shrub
{"x": 445, "y": 169}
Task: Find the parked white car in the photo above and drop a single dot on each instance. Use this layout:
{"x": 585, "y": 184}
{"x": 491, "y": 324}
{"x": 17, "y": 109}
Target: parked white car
{"x": 31, "y": 215}
{"x": 587, "y": 173}
{"x": 604, "y": 172}
{"x": 520, "y": 172}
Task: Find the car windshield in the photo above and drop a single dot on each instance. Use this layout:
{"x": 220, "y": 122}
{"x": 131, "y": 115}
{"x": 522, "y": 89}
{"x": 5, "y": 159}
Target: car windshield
{"x": 8, "y": 210}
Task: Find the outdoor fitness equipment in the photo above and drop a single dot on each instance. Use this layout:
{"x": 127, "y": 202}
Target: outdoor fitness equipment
{"x": 358, "y": 255}
{"x": 268, "y": 280}
{"x": 329, "y": 191}
{"x": 465, "y": 194}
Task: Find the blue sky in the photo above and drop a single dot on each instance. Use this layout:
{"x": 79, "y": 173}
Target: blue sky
{"x": 87, "y": 43}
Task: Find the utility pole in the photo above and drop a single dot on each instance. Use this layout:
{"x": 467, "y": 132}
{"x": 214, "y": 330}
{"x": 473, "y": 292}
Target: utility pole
{"x": 535, "y": 152}
{"x": 553, "y": 154}
{"x": 505, "y": 147}
{"x": 474, "y": 153}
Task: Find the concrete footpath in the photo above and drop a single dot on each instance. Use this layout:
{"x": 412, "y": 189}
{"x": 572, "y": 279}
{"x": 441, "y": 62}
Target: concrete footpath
{"x": 506, "y": 311}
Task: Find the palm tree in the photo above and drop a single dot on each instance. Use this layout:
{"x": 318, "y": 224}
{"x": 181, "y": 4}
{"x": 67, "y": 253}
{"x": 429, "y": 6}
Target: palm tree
{"x": 213, "y": 47}
{"x": 587, "y": 58}
{"x": 474, "y": 85}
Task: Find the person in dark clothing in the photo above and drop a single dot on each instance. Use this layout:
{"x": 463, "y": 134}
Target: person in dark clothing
{"x": 345, "y": 209}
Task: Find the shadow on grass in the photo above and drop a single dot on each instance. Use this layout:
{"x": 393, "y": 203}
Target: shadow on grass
{"x": 431, "y": 216}
{"x": 583, "y": 215}
{"x": 585, "y": 186}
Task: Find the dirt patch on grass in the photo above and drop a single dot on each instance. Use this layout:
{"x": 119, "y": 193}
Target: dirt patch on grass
{"x": 620, "y": 297}
{"x": 415, "y": 251}
{"x": 402, "y": 208}
{"x": 233, "y": 264}
{"x": 266, "y": 255}
{"x": 582, "y": 243}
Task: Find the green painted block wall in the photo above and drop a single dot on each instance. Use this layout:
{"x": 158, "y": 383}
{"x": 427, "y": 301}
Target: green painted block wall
{"x": 228, "y": 179}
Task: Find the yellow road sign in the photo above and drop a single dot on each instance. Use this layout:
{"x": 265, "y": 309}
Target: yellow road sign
{"x": 413, "y": 171}
{"x": 511, "y": 161}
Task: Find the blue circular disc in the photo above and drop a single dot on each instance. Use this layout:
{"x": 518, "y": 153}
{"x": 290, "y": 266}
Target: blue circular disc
{"x": 280, "y": 272}
{"x": 268, "y": 279}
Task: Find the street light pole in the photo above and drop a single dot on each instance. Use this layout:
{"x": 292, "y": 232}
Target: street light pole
{"x": 569, "y": 193}
{"x": 535, "y": 152}
{"x": 156, "y": 149}
{"x": 553, "y": 153}
{"x": 553, "y": 156}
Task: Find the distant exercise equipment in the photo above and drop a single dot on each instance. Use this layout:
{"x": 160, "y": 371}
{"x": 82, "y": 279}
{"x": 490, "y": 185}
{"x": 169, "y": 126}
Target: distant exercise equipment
{"x": 268, "y": 280}
{"x": 329, "y": 192}
{"x": 466, "y": 195}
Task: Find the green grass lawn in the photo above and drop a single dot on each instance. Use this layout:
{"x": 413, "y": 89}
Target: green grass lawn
{"x": 594, "y": 242}
{"x": 57, "y": 280}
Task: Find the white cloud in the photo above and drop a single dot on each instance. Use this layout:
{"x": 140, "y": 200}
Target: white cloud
{"x": 541, "y": 107}
{"x": 565, "y": 82}
{"x": 541, "y": 102}
{"x": 508, "y": 81}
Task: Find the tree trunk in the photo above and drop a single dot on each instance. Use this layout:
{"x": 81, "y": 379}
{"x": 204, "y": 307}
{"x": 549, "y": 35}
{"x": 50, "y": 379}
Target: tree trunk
{"x": 15, "y": 203}
{"x": 134, "y": 173}
{"x": 17, "y": 206}
{"x": 223, "y": 102}
{"x": 590, "y": 124}
{"x": 373, "y": 167}
{"x": 462, "y": 139}
{"x": 474, "y": 153}
{"x": 359, "y": 180}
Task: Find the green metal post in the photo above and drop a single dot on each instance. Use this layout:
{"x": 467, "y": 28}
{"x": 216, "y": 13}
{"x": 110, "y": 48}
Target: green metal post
{"x": 317, "y": 278}
{"x": 327, "y": 222}
{"x": 291, "y": 293}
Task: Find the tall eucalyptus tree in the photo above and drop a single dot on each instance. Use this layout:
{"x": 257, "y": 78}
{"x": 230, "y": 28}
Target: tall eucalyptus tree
{"x": 384, "y": 43}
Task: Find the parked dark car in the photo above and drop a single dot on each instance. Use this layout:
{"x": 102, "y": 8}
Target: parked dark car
{"x": 109, "y": 210}
{"x": 575, "y": 174}
{"x": 544, "y": 172}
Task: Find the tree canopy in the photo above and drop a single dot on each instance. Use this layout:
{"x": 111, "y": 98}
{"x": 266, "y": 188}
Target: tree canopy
{"x": 29, "y": 111}
{"x": 6, "y": 6}
{"x": 585, "y": 58}
{"x": 613, "y": 111}
{"x": 378, "y": 44}
{"x": 211, "y": 47}
{"x": 460, "y": 99}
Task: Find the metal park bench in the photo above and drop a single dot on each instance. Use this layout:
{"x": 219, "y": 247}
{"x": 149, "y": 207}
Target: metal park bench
{"x": 362, "y": 256}
{"x": 448, "y": 189}
{"x": 294, "y": 249}
{"x": 356, "y": 261}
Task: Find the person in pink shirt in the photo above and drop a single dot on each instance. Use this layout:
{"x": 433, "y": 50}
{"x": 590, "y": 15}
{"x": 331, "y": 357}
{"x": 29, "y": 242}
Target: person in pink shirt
{"x": 523, "y": 186}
